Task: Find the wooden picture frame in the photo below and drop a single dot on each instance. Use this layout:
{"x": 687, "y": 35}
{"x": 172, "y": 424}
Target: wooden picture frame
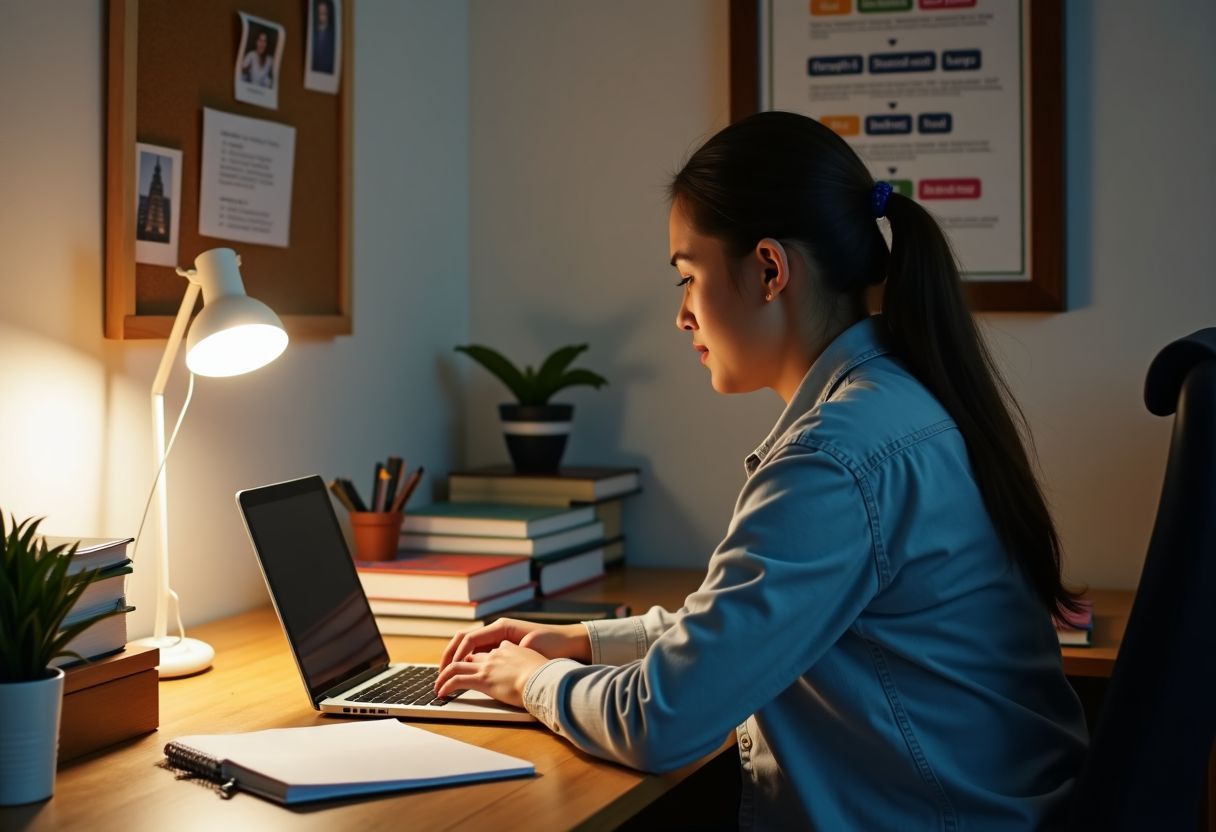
{"x": 1045, "y": 290}
{"x": 166, "y": 62}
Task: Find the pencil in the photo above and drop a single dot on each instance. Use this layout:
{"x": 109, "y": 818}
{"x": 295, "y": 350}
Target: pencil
{"x": 408, "y": 489}
{"x": 395, "y": 466}
{"x": 341, "y": 495}
{"x": 352, "y": 493}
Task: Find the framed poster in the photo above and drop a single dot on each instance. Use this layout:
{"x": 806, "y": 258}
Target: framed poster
{"x": 957, "y": 103}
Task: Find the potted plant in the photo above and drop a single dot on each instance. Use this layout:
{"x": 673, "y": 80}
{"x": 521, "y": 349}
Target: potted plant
{"x": 536, "y": 430}
{"x": 36, "y": 592}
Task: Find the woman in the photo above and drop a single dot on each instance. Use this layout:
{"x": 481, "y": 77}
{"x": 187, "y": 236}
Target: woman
{"x": 875, "y": 624}
{"x": 257, "y": 67}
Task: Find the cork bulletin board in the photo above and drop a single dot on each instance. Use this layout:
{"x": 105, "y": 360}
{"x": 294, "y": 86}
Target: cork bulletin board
{"x": 167, "y": 61}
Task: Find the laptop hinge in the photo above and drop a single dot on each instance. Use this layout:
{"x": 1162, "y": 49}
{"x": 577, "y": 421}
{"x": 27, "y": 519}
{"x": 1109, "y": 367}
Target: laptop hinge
{"x": 348, "y": 684}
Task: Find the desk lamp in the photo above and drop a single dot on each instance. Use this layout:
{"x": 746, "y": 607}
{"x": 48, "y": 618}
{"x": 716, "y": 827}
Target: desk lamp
{"x": 233, "y": 334}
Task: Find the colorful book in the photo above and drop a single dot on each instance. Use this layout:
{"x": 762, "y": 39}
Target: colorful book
{"x": 457, "y": 610}
{"x": 107, "y": 636}
{"x": 417, "y": 625}
{"x": 501, "y": 483}
{"x": 93, "y": 552}
{"x": 108, "y": 587}
{"x": 495, "y": 519}
{"x": 565, "y": 611}
{"x": 442, "y": 577}
{"x": 530, "y": 546}
{"x": 563, "y": 570}
{"x": 1075, "y": 628}
{"x": 614, "y": 551}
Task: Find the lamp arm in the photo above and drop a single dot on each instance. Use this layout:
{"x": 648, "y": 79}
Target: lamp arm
{"x": 163, "y": 591}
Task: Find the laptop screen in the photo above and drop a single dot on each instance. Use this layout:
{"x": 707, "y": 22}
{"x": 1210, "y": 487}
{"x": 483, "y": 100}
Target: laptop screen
{"x": 313, "y": 580}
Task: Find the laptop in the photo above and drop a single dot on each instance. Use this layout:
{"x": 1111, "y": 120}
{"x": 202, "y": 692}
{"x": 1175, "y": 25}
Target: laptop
{"x": 329, "y": 624}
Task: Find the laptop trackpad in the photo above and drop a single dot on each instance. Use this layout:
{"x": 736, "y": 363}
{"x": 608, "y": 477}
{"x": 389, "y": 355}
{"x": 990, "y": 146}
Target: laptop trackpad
{"x": 471, "y": 699}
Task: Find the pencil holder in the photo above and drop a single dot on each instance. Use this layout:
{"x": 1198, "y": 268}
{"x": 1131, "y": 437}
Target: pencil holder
{"x": 377, "y": 534}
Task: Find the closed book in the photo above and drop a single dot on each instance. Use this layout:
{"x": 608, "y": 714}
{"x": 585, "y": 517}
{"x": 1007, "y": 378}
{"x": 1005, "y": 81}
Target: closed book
{"x": 496, "y": 483}
{"x": 442, "y": 577}
{"x": 319, "y": 762}
{"x": 93, "y": 552}
{"x": 565, "y": 611}
{"x": 495, "y": 519}
{"x": 1074, "y": 628}
{"x": 531, "y": 546}
{"x": 563, "y": 570}
{"x": 614, "y": 551}
{"x": 109, "y": 700}
{"x": 458, "y": 610}
{"x": 108, "y": 587}
{"x": 417, "y": 625}
{"x": 106, "y": 636}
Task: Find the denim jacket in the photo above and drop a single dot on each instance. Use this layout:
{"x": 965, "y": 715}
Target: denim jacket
{"x": 883, "y": 661}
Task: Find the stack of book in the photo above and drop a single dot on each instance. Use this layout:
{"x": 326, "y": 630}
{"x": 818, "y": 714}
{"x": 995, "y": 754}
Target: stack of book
{"x": 1075, "y": 629}
{"x": 440, "y": 594}
{"x": 602, "y": 488}
{"x": 103, "y": 596}
{"x": 565, "y": 543}
{"x": 110, "y": 693}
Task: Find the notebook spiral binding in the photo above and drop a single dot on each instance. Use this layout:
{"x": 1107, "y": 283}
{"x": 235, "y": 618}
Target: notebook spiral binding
{"x": 190, "y": 764}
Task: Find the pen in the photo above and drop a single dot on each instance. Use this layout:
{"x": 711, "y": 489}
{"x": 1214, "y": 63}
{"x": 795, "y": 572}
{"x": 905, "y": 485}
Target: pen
{"x": 336, "y": 488}
{"x": 395, "y": 464}
{"x": 352, "y": 494}
{"x": 382, "y": 480}
{"x": 408, "y": 489}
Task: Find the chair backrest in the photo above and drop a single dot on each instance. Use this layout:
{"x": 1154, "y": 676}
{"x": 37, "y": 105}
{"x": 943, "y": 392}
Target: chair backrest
{"x": 1149, "y": 750}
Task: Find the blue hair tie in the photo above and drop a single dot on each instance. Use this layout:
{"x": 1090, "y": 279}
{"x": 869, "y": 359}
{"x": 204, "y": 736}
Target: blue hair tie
{"x": 879, "y": 197}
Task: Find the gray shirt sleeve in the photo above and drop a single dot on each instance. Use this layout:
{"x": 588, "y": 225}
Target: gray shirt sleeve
{"x": 795, "y": 569}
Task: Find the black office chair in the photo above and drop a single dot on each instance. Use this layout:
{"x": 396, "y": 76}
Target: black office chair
{"x": 1148, "y": 756}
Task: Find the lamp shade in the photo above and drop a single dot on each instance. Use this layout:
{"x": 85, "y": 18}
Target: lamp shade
{"x": 234, "y": 333}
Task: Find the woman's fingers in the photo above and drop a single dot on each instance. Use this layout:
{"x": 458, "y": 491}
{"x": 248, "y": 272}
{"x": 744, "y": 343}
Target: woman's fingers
{"x": 468, "y": 641}
{"x": 459, "y": 676}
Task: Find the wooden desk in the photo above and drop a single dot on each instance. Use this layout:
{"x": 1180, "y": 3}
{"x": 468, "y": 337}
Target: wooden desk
{"x": 254, "y": 685}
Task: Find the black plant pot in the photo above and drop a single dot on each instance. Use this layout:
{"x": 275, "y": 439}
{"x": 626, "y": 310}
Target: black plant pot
{"x": 536, "y": 435}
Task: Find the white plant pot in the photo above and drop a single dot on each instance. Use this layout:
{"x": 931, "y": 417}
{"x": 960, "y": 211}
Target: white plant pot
{"x": 29, "y": 724}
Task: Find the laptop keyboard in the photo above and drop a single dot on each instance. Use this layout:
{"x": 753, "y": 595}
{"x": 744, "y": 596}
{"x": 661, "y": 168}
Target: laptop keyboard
{"x": 414, "y": 685}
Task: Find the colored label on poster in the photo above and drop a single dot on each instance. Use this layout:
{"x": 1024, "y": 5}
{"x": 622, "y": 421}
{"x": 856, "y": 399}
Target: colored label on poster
{"x": 870, "y": 6}
{"x": 834, "y": 65}
{"x": 881, "y": 62}
{"x": 950, "y": 189}
{"x": 961, "y": 59}
{"x": 934, "y": 123}
{"x": 826, "y": 7}
{"x": 843, "y": 125}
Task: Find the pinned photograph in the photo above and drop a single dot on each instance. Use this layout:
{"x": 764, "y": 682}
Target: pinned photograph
{"x": 157, "y": 210}
{"x": 323, "y": 53}
{"x": 257, "y": 61}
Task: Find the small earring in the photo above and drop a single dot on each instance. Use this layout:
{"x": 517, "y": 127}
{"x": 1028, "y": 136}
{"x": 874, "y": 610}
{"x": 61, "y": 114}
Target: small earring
{"x": 768, "y": 296}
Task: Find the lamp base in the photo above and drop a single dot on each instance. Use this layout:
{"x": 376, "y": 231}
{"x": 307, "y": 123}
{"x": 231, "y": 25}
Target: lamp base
{"x": 179, "y": 657}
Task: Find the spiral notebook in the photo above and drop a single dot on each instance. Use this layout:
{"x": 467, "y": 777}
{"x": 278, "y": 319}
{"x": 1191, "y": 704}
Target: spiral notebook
{"x": 298, "y": 765}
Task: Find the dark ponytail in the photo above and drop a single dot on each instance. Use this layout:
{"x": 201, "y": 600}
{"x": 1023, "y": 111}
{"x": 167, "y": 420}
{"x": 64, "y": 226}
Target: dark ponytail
{"x": 933, "y": 331}
{"x": 788, "y": 177}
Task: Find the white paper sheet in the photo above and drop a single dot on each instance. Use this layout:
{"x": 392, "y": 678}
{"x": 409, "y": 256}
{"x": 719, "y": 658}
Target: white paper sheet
{"x": 245, "y": 186}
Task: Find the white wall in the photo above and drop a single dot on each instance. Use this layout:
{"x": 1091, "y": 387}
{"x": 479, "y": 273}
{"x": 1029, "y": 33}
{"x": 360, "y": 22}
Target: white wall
{"x": 74, "y": 424}
{"x": 579, "y": 113}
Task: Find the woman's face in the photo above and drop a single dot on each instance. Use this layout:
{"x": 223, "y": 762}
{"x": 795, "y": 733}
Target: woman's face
{"x": 260, "y": 43}
{"x": 725, "y": 318}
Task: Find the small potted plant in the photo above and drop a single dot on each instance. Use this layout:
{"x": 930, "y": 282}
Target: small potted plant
{"x": 536, "y": 430}
{"x": 36, "y": 593}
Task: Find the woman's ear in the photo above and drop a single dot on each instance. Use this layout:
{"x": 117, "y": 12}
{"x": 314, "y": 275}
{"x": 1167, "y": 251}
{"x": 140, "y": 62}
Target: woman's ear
{"x": 773, "y": 266}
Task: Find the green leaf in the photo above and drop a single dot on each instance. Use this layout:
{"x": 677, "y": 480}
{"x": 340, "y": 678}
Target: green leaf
{"x": 555, "y": 365}
{"x": 576, "y": 378}
{"x": 501, "y": 368}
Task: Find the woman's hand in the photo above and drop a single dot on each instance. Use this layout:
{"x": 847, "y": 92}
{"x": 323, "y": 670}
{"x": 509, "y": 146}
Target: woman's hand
{"x": 553, "y": 641}
{"x": 498, "y": 659}
{"x": 502, "y": 673}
